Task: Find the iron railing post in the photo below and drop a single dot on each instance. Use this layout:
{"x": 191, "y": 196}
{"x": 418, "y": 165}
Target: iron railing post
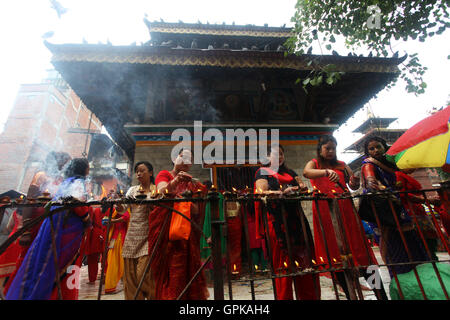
{"x": 216, "y": 245}
{"x": 105, "y": 253}
{"x": 343, "y": 246}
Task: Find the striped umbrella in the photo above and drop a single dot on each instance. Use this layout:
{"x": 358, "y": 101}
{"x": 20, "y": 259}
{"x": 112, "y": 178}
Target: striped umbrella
{"x": 424, "y": 145}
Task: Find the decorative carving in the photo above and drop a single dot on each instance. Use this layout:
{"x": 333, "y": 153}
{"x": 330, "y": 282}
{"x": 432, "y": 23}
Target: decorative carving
{"x": 282, "y": 105}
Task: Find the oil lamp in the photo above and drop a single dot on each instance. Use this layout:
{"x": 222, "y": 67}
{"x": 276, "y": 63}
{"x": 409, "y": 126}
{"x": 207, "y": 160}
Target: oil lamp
{"x": 234, "y": 272}
{"x": 141, "y": 194}
{"x": 154, "y": 194}
{"x": 45, "y": 197}
{"x": 227, "y": 194}
{"x": 20, "y": 199}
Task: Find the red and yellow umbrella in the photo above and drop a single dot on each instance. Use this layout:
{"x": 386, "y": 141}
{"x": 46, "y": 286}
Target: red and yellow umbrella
{"x": 424, "y": 145}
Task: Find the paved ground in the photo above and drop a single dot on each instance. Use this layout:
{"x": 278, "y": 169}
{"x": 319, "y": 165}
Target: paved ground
{"x": 241, "y": 290}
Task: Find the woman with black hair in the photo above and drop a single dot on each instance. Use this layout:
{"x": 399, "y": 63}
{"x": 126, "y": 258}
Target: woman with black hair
{"x": 329, "y": 175}
{"x": 379, "y": 174}
{"x": 35, "y": 279}
{"x": 47, "y": 179}
{"x": 177, "y": 258}
{"x": 278, "y": 179}
{"x": 135, "y": 247}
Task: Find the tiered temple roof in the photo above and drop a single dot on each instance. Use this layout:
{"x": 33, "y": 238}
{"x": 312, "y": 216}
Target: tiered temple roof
{"x": 114, "y": 81}
{"x": 372, "y": 126}
{"x": 202, "y": 36}
{"x": 375, "y": 126}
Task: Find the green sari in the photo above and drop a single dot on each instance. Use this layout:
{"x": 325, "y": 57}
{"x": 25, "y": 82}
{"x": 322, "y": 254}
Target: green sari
{"x": 205, "y": 248}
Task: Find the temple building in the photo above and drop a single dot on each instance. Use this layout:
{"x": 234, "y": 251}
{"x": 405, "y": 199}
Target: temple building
{"x": 227, "y": 77}
{"x": 377, "y": 126}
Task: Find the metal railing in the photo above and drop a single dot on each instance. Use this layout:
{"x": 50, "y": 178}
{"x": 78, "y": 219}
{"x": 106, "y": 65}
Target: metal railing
{"x": 346, "y": 264}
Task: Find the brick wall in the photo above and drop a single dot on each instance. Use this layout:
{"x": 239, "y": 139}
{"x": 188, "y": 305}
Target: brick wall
{"x": 38, "y": 123}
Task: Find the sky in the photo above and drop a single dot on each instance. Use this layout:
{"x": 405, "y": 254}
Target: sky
{"x": 25, "y": 59}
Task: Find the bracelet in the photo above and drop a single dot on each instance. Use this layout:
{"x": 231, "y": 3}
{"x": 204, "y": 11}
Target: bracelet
{"x": 327, "y": 173}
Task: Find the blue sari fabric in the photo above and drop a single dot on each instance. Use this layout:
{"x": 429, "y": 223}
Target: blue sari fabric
{"x": 388, "y": 179}
{"x": 35, "y": 278}
{"x": 385, "y": 177}
{"x": 396, "y": 252}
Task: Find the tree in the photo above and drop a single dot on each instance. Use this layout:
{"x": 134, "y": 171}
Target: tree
{"x": 373, "y": 25}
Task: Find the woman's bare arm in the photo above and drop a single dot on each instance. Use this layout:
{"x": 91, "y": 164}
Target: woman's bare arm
{"x": 310, "y": 172}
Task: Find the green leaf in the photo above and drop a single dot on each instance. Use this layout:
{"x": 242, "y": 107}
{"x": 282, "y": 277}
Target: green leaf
{"x": 399, "y": 20}
{"x": 330, "y": 80}
{"x": 319, "y": 80}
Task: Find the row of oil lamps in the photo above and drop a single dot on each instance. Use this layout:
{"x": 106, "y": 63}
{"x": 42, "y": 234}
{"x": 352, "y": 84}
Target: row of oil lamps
{"x": 45, "y": 197}
{"x": 230, "y": 194}
{"x": 315, "y": 265}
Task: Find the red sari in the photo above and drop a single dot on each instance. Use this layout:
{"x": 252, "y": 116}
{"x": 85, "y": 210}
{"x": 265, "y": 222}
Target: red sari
{"x": 302, "y": 252}
{"x": 40, "y": 182}
{"x": 177, "y": 261}
{"x": 409, "y": 183}
{"x": 234, "y": 229}
{"x": 445, "y": 217}
{"x": 94, "y": 241}
{"x": 8, "y": 258}
{"x": 356, "y": 240}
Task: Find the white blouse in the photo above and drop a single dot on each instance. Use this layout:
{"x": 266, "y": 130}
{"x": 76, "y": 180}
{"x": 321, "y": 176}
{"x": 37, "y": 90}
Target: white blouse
{"x": 136, "y": 239}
